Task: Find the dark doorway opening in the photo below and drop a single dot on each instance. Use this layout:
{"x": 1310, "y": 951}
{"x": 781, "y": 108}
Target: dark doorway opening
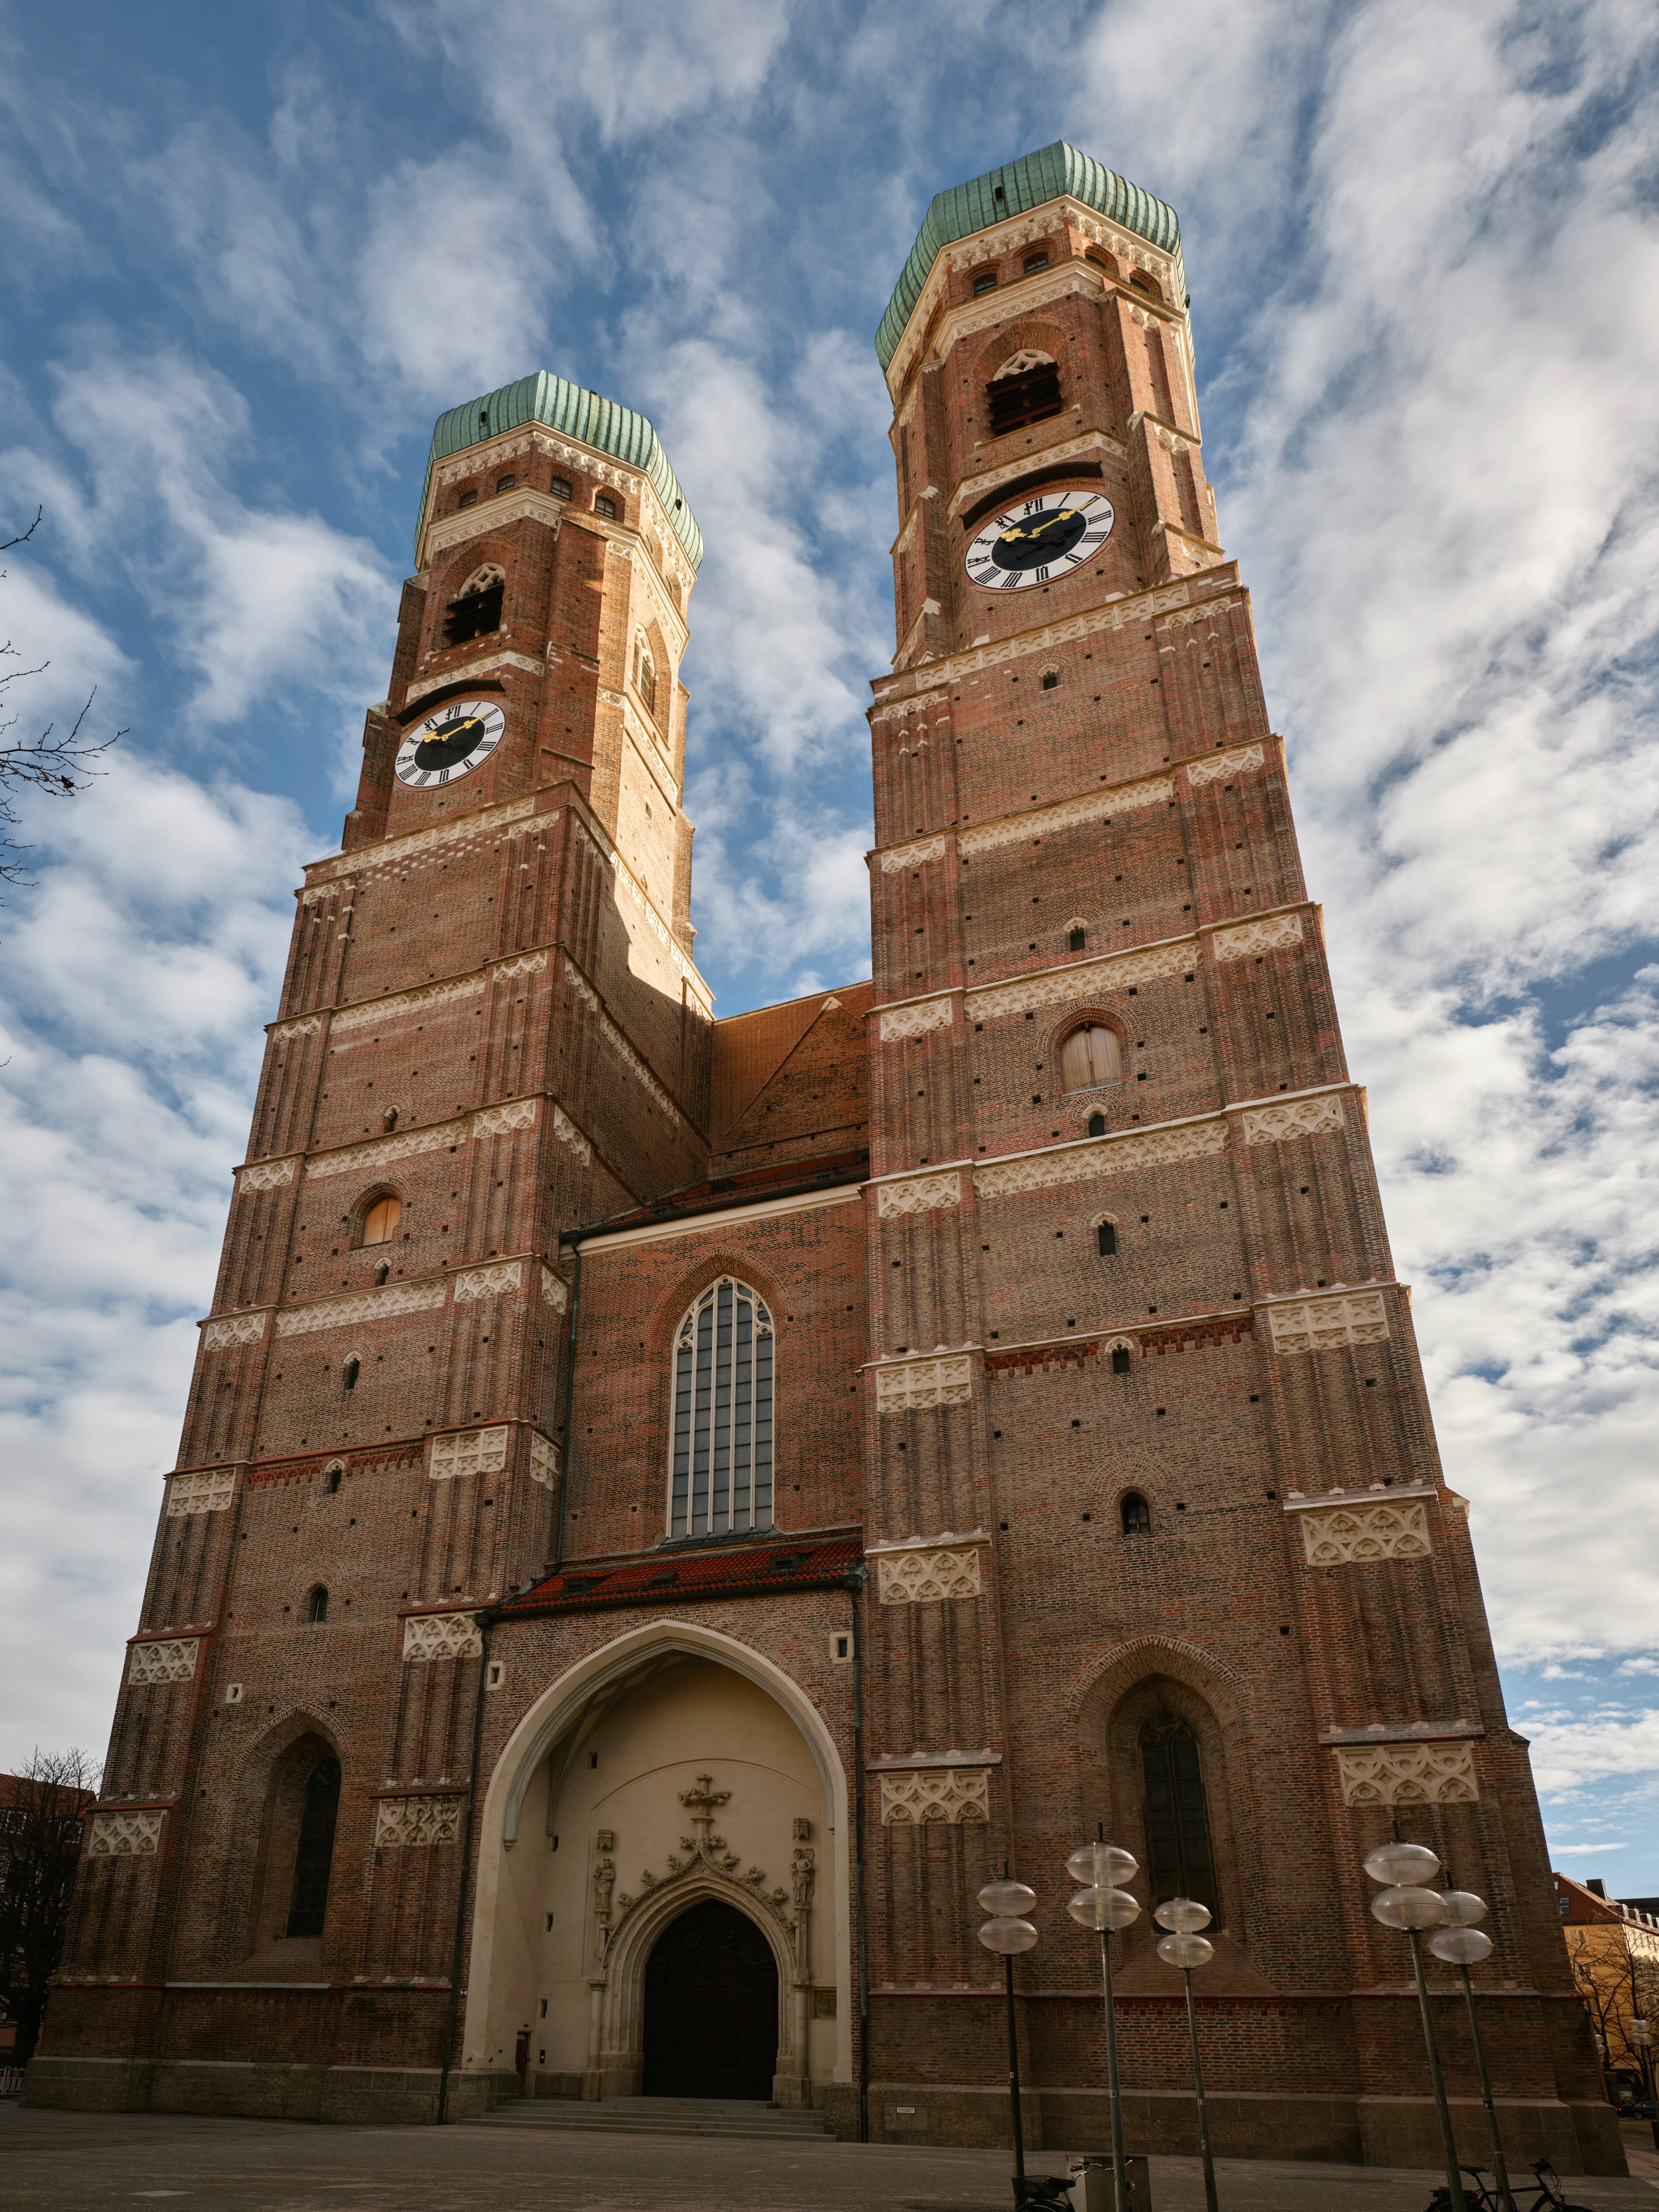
{"x": 711, "y": 2008}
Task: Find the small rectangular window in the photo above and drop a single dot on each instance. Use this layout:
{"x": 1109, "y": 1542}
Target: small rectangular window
{"x": 985, "y": 282}
{"x": 467, "y": 499}
{"x": 1034, "y": 262}
{"x": 1076, "y": 940}
{"x": 1107, "y": 1235}
{"x": 560, "y": 487}
{"x": 506, "y": 482}
{"x": 604, "y": 505}
{"x": 1120, "y": 1361}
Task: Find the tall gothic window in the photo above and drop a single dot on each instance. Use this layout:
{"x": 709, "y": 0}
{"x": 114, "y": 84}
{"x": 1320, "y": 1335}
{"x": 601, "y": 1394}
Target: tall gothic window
{"x": 314, "y": 1853}
{"x": 1179, "y": 1858}
{"x": 645, "y": 675}
{"x": 722, "y": 1457}
{"x": 477, "y": 611}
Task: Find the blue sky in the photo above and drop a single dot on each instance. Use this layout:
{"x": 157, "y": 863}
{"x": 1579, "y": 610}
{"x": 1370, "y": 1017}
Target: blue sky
{"x": 251, "y": 253}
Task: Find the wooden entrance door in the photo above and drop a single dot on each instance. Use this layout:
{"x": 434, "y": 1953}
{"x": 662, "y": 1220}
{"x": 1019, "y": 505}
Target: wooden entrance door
{"x": 711, "y": 2008}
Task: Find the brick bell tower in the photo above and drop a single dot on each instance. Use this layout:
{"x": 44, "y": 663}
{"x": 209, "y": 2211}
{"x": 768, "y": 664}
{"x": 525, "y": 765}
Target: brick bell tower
{"x": 1134, "y": 1324}
{"x": 491, "y": 1026}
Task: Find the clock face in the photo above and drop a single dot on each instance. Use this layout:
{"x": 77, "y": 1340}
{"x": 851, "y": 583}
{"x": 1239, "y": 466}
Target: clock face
{"x": 1040, "y": 540}
{"x": 451, "y": 742}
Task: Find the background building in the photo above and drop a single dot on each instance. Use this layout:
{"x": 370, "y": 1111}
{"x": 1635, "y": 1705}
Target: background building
{"x": 1613, "y": 1950}
{"x": 667, "y": 1507}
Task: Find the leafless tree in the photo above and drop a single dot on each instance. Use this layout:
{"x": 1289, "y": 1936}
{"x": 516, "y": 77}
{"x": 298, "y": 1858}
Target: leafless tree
{"x": 42, "y": 1811}
{"x": 53, "y": 762}
{"x": 1618, "y": 1987}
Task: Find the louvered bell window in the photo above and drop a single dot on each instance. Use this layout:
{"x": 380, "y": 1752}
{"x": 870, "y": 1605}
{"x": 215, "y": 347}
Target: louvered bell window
{"x": 1090, "y": 1056}
{"x": 722, "y": 1465}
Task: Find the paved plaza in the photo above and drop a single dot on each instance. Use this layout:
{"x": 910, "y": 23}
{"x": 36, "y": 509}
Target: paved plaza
{"x": 74, "y": 2162}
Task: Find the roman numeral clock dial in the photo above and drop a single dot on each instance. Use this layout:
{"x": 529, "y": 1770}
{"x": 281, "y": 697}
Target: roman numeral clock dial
{"x": 450, "y": 743}
{"x": 1040, "y": 540}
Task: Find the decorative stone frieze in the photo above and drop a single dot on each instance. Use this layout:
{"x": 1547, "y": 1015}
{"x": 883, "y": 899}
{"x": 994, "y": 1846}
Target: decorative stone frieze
{"x": 489, "y": 1282}
{"x": 916, "y": 1018}
{"x": 397, "y": 1004}
{"x": 544, "y": 1461}
{"x": 527, "y": 963}
{"x": 112, "y": 1834}
{"x": 384, "y": 1305}
{"x": 916, "y": 1577}
{"x": 441, "y": 1635}
{"x": 1069, "y": 449}
{"x": 265, "y": 1174}
{"x": 394, "y": 852}
{"x": 1244, "y": 760}
{"x": 382, "y": 1152}
{"x": 167, "y": 1659}
{"x": 1103, "y": 1155}
{"x": 233, "y": 1328}
{"x": 502, "y": 1120}
{"x": 1089, "y": 806}
{"x": 913, "y": 1385}
{"x": 568, "y": 1134}
{"x": 952, "y": 1797}
{"x": 1292, "y": 1117}
{"x": 308, "y": 1025}
{"x": 207, "y": 1490}
{"x": 554, "y": 1292}
{"x": 524, "y": 506}
{"x": 416, "y": 1823}
{"x": 918, "y": 1194}
{"x": 468, "y": 1451}
{"x": 1329, "y": 1323}
{"x": 491, "y": 664}
{"x": 897, "y": 858}
{"x": 1408, "y": 1774}
{"x": 1085, "y": 979}
{"x": 918, "y": 703}
{"x": 1336, "y": 1535}
{"x": 1274, "y": 933}
{"x": 580, "y": 984}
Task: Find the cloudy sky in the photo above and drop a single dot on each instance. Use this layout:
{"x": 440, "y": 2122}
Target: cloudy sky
{"x": 251, "y": 252}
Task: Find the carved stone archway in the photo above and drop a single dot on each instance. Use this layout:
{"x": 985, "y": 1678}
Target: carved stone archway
{"x": 628, "y": 1924}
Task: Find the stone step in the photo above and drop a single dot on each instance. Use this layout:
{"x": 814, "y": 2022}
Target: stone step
{"x": 662, "y": 2115}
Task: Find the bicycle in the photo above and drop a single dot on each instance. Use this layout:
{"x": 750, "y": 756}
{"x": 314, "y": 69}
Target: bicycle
{"x": 1480, "y": 2198}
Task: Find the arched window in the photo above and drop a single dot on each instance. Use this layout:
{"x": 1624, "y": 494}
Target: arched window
{"x": 604, "y": 505}
{"x": 316, "y": 1604}
{"x": 335, "y": 1470}
{"x": 721, "y": 1475}
{"x": 1136, "y": 1514}
{"x": 1120, "y": 1359}
{"x": 1096, "y": 1125}
{"x": 645, "y": 675}
{"x": 1035, "y": 261}
{"x": 349, "y": 1372}
{"x": 506, "y": 482}
{"x": 1179, "y": 1860}
{"x": 985, "y": 280}
{"x": 1145, "y": 284}
{"x": 1025, "y": 389}
{"x": 1077, "y": 937}
{"x": 478, "y": 610}
{"x": 1090, "y": 1057}
{"x": 560, "y": 487}
{"x": 314, "y": 1854}
{"x": 381, "y": 1220}
{"x": 1106, "y": 1239}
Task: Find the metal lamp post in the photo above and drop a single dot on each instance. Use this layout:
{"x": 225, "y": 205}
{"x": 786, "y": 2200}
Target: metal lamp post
{"x": 1104, "y": 1906}
{"x": 1408, "y": 1905}
{"x": 1185, "y": 1948}
{"x": 1462, "y": 1945}
{"x": 1007, "y": 1932}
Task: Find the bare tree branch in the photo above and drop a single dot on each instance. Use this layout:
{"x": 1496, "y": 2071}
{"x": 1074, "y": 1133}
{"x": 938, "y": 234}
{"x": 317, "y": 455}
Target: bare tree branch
{"x": 55, "y": 763}
{"x": 42, "y": 1812}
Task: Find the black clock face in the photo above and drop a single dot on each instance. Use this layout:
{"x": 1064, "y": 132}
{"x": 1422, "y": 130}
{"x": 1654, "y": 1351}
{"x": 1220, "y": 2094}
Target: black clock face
{"x": 451, "y": 742}
{"x": 1040, "y": 541}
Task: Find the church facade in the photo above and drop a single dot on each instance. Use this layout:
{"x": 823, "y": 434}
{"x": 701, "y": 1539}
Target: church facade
{"x": 757, "y": 1477}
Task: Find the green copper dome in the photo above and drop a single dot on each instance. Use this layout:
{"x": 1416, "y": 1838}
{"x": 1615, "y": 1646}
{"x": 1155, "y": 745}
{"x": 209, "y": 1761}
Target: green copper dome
{"x": 1015, "y": 189}
{"x": 583, "y": 415}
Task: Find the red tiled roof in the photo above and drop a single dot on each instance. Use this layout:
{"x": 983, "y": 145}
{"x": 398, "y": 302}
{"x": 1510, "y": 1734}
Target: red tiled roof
{"x": 746, "y": 1189}
{"x": 654, "y": 1580}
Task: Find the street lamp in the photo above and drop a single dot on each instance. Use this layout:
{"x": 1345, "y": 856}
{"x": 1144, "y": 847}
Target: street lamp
{"x": 1186, "y": 1948}
{"x": 1408, "y": 1905}
{"x": 1103, "y": 1905}
{"x": 1462, "y": 1945}
{"x": 1007, "y": 1932}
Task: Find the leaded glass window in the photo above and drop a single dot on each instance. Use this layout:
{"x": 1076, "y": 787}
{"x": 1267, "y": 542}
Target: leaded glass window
{"x": 722, "y": 1463}
{"x": 1180, "y": 1863}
